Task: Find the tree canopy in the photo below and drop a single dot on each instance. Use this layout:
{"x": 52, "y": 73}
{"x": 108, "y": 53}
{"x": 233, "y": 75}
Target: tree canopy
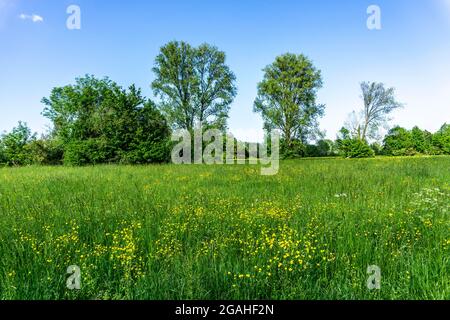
{"x": 99, "y": 122}
{"x": 287, "y": 98}
{"x": 379, "y": 102}
{"x": 14, "y": 145}
{"x": 195, "y": 85}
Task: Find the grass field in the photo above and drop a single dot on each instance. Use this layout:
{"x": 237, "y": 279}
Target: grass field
{"x": 226, "y": 232}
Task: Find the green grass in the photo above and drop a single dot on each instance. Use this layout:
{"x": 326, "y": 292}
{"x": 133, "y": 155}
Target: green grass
{"x": 226, "y": 232}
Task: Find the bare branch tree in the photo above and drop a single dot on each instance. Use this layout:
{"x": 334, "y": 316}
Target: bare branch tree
{"x": 379, "y": 102}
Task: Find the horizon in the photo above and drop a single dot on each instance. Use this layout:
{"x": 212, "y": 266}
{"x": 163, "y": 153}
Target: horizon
{"x": 409, "y": 53}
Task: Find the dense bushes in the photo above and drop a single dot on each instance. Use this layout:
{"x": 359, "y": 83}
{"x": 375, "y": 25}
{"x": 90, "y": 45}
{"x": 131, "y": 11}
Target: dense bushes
{"x": 94, "y": 121}
{"x": 402, "y": 142}
{"x": 147, "y": 141}
{"x": 398, "y": 142}
{"x": 99, "y": 122}
{"x": 352, "y": 147}
{"x": 355, "y": 148}
{"x": 15, "y": 146}
{"x": 441, "y": 140}
{"x": 45, "y": 151}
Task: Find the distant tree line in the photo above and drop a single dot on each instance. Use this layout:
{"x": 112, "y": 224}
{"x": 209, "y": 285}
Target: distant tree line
{"x": 96, "y": 121}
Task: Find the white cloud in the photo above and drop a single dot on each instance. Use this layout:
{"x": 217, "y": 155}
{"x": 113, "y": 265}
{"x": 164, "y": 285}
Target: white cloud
{"x": 34, "y": 17}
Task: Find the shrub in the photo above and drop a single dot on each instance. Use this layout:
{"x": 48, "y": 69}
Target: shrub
{"x": 15, "y": 146}
{"x": 85, "y": 152}
{"x": 356, "y": 148}
{"x": 99, "y": 122}
{"x": 441, "y": 139}
{"x": 46, "y": 151}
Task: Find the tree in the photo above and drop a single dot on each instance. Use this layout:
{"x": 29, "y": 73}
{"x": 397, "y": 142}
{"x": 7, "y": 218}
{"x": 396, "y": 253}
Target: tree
{"x": 441, "y": 140}
{"x": 195, "y": 85}
{"x": 14, "y": 145}
{"x": 215, "y": 90}
{"x": 421, "y": 140}
{"x": 398, "y": 142}
{"x": 175, "y": 82}
{"x": 287, "y": 98}
{"x": 323, "y": 148}
{"x": 46, "y": 151}
{"x": 352, "y": 147}
{"x": 402, "y": 142}
{"x": 99, "y": 122}
{"x": 3, "y": 159}
{"x": 379, "y": 102}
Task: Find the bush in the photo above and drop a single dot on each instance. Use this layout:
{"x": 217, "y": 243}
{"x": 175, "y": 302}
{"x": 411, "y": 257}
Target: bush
{"x": 46, "y": 151}
{"x": 441, "y": 140}
{"x": 377, "y": 148}
{"x": 3, "y": 159}
{"x": 14, "y": 146}
{"x": 355, "y": 148}
{"x": 99, "y": 122}
{"x": 323, "y": 148}
{"x": 405, "y": 152}
{"x": 401, "y": 142}
{"x": 296, "y": 150}
{"x": 85, "y": 152}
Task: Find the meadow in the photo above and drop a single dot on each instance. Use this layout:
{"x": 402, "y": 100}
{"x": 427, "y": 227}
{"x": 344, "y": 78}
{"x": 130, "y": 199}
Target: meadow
{"x": 226, "y": 232}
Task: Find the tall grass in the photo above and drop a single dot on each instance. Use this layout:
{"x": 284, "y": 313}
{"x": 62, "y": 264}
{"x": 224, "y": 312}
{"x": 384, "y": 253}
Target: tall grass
{"x": 226, "y": 232}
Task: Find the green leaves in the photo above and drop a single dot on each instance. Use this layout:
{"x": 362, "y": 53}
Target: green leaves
{"x": 99, "y": 122}
{"x": 195, "y": 85}
{"x": 402, "y": 142}
{"x": 287, "y": 97}
{"x": 14, "y": 146}
{"x": 379, "y": 102}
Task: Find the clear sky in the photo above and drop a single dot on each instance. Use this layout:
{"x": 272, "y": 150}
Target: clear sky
{"x": 120, "y": 39}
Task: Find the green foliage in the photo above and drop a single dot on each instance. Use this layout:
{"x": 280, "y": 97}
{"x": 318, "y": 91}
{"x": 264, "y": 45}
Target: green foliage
{"x": 99, "y": 122}
{"x": 398, "y": 142}
{"x": 379, "y": 102}
{"x": 287, "y": 99}
{"x": 377, "y": 148}
{"x": 3, "y": 158}
{"x": 46, "y": 151}
{"x": 14, "y": 146}
{"x": 421, "y": 140}
{"x": 195, "y": 85}
{"x": 441, "y": 140}
{"x": 88, "y": 151}
{"x": 402, "y": 142}
{"x": 355, "y": 148}
{"x": 351, "y": 147}
{"x": 323, "y": 148}
{"x": 293, "y": 149}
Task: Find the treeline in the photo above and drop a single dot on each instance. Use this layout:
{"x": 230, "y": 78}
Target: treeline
{"x": 21, "y": 147}
{"x": 398, "y": 142}
{"x": 96, "y": 121}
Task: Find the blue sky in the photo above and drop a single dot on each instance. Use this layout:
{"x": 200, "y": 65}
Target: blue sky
{"x": 121, "y": 39}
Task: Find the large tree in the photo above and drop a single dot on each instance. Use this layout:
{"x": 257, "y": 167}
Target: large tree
{"x": 287, "y": 97}
{"x": 441, "y": 139}
{"x": 14, "y": 146}
{"x": 97, "y": 121}
{"x": 379, "y": 102}
{"x": 195, "y": 85}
